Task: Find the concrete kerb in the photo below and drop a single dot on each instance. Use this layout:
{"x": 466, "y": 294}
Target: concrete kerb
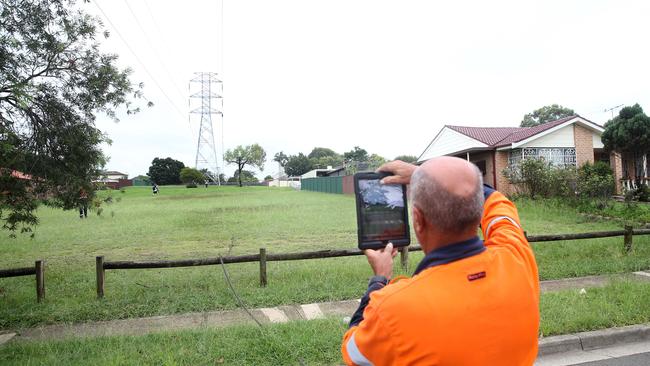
{"x": 586, "y": 341}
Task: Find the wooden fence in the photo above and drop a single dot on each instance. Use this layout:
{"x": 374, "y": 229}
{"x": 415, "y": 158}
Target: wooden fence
{"x": 263, "y": 257}
{"x": 38, "y": 270}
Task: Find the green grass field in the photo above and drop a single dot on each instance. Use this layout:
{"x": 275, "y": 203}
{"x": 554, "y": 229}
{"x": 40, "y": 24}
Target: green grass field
{"x": 310, "y": 342}
{"x": 195, "y": 223}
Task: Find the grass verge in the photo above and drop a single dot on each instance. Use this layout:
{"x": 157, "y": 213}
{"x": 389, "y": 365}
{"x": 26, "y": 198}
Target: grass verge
{"x": 313, "y": 342}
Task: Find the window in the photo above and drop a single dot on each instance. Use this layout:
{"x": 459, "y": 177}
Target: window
{"x": 558, "y": 156}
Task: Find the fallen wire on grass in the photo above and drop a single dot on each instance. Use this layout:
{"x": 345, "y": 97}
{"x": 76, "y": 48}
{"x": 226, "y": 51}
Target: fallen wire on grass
{"x": 241, "y": 305}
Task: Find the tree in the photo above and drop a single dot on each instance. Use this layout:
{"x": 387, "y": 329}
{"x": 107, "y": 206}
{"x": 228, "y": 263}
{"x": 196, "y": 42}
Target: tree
{"x": 297, "y": 165}
{"x": 241, "y": 156}
{"x": 165, "y": 171}
{"x": 191, "y": 175}
{"x": 53, "y": 82}
{"x": 268, "y": 178}
{"x": 628, "y": 132}
{"x": 281, "y": 158}
{"x": 246, "y": 177}
{"x": 322, "y": 157}
{"x": 546, "y": 114}
{"x": 357, "y": 154}
{"x": 407, "y": 158}
{"x": 375, "y": 161}
{"x": 321, "y": 152}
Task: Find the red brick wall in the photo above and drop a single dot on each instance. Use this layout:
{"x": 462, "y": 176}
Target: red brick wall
{"x": 584, "y": 143}
{"x": 501, "y": 162}
{"x": 616, "y": 163}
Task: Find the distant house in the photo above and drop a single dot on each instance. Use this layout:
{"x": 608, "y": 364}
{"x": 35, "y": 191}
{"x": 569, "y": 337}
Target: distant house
{"x": 570, "y": 141}
{"x": 112, "y": 174}
{"x": 114, "y": 179}
{"x": 314, "y": 173}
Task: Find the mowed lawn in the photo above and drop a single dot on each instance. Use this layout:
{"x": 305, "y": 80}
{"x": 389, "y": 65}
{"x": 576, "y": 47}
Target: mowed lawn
{"x": 197, "y": 223}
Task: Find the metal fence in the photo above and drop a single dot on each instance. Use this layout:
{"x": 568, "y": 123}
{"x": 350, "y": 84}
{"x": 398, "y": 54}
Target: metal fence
{"x": 323, "y": 184}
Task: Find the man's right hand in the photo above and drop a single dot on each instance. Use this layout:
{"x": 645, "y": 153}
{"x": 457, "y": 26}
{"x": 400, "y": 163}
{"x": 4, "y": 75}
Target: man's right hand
{"x": 401, "y": 172}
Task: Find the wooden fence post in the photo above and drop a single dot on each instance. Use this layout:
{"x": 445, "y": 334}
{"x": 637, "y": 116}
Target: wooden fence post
{"x": 40, "y": 280}
{"x": 263, "y": 279}
{"x": 99, "y": 264}
{"x": 404, "y": 258}
{"x": 627, "y": 238}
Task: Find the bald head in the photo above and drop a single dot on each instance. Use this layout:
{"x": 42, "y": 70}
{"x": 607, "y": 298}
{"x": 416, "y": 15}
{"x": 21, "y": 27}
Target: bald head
{"x": 448, "y": 191}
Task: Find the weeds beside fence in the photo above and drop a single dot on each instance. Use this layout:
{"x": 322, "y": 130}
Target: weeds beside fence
{"x": 263, "y": 257}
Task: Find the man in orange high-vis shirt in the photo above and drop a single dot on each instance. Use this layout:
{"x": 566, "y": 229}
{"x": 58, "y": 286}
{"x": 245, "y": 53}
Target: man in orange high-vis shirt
{"x": 470, "y": 301}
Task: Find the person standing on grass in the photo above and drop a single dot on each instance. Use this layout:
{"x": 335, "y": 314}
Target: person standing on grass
{"x": 154, "y": 188}
{"x": 470, "y": 301}
{"x": 83, "y": 204}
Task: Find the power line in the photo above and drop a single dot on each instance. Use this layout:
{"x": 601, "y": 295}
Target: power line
{"x": 160, "y": 59}
{"x": 138, "y": 59}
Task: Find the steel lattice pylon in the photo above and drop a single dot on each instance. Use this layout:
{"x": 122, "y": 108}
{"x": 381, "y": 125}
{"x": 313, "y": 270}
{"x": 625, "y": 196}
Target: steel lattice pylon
{"x": 206, "y": 151}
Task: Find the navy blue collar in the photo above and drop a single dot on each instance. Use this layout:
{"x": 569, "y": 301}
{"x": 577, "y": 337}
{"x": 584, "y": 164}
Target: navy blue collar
{"x": 450, "y": 253}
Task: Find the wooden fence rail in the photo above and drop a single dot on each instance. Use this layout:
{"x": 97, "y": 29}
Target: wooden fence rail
{"x": 263, "y": 257}
{"x": 38, "y": 270}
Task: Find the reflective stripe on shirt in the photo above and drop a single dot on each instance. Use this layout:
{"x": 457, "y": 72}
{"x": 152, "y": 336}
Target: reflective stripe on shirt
{"x": 497, "y": 219}
{"x": 355, "y": 354}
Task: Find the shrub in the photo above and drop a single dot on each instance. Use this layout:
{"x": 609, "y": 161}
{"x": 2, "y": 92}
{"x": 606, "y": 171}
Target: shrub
{"x": 642, "y": 193}
{"x": 191, "y": 185}
{"x": 538, "y": 178}
{"x": 596, "y": 181}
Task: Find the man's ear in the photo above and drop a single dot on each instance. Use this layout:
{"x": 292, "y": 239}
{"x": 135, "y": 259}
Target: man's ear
{"x": 419, "y": 223}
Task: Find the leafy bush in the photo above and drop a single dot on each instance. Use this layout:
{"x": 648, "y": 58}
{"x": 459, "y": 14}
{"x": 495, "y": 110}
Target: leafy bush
{"x": 596, "y": 181}
{"x": 191, "y": 185}
{"x": 642, "y": 193}
{"x": 538, "y": 178}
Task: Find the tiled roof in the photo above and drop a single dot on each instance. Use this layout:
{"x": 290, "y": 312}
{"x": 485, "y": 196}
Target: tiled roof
{"x": 487, "y": 135}
{"x": 500, "y": 136}
{"x": 112, "y": 172}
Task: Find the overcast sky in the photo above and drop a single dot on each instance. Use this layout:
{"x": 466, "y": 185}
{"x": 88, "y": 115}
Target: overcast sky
{"x": 383, "y": 75}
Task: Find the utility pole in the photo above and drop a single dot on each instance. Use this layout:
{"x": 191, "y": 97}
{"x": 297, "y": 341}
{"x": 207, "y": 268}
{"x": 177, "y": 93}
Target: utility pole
{"x": 206, "y": 152}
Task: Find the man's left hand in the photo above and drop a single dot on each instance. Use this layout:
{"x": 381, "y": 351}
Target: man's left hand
{"x": 381, "y": 260}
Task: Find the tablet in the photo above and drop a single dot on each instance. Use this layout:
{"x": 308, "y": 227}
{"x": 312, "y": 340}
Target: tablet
{"x": 382, "y": 213}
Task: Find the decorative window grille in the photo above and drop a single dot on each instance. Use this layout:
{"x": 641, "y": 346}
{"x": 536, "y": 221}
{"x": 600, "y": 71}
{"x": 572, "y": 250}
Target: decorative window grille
{"x": 561, "y": 157}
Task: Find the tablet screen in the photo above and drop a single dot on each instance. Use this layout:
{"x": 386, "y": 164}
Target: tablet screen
{"x": 382, "y": 211}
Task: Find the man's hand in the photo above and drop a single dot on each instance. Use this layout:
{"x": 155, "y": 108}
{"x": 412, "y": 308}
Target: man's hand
{"x": 401, "y": 172}
{"x": 381, "y": 260}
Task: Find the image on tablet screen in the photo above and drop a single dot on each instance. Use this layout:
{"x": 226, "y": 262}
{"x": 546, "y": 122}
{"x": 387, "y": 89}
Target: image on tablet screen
{"x": 383, "y": 210}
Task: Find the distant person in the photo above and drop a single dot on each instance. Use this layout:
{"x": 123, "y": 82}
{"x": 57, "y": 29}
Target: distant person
{"x": 83, "y": 204}
{"x": 154, "y": 188}
{"x": 206, "y": 183}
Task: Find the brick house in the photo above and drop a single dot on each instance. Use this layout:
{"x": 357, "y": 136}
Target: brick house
{"x": 114, "y": 179}
{"x": 570, "y": 141}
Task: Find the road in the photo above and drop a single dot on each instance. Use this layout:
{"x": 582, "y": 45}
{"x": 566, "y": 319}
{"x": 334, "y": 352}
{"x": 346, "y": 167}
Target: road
{"x": 640, "y": 359}
{"x": 626, "y": 354}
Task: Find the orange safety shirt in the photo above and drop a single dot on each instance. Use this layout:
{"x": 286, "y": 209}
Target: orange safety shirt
{"x": 469, "y": 303}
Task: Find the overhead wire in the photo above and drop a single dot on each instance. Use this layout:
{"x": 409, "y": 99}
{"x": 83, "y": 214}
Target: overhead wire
{"x": 151, "y": 45}
{"x": 160, "y": 59}
{"x": 223, "y": 146}
{"x": 138, "y": 59}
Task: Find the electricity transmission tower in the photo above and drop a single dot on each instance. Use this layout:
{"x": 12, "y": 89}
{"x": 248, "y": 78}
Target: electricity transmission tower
{"x": 206, "y": 151}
